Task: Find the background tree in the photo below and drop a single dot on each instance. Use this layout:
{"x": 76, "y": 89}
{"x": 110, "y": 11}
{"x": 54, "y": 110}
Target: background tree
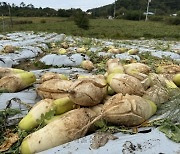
{"x": 81, "y": 20}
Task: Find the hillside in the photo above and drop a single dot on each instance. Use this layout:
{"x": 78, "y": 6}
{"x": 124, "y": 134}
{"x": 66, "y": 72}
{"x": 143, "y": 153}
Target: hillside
{"x": 159, "y": 7}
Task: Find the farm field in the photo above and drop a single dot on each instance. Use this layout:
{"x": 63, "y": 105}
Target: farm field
{"x": 57, "y": 46}
{"x": 99, "y": 28}
{"x": 86, "y": 77}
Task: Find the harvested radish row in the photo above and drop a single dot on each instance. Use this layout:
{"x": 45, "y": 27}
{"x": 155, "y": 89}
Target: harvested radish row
{"x": 138, "y": 78}
{"x": 129, "y": 110}
{"x": 126, "y": 108}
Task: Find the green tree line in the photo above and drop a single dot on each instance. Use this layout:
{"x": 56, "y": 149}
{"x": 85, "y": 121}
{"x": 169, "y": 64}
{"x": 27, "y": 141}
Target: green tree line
{"x": 29, "y": 10}
{"x": 126, "y": 9}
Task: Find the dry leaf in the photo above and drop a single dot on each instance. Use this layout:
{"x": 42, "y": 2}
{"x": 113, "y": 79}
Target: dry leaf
{"x": 11, "y": 138}
{"x": 101, "y": 138}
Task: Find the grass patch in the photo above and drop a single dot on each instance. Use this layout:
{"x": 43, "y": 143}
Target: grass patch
{"x": 154, "y": 62}
{"x": 99, "y": 28}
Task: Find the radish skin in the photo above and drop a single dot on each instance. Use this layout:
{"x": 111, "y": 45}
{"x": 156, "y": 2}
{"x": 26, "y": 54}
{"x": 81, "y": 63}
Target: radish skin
{"x": 88, "y": 91}
{"x": 60, "y": 131}
{"x": 54, "y": 89}
{"x": 125, "y": 84}
{"x": 17, "y": 82}
{"x": 63, "y": 105}
{"x": 50, "y": 75}
{"x": 128, "y": 110}
{"x": 30, "y": 120}
{"x": 9, "y": 71}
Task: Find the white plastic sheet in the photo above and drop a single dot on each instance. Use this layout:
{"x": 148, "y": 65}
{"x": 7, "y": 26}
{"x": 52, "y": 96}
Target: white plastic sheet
{"x": 63, "y": 60}
{"x": 28, "y": 44}
{"x": 154, "y": 142}
{"x": 26, "y": 96}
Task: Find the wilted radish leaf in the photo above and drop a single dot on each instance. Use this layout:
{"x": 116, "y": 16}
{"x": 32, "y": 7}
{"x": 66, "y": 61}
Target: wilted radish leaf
{"x": 172, "y": 131}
